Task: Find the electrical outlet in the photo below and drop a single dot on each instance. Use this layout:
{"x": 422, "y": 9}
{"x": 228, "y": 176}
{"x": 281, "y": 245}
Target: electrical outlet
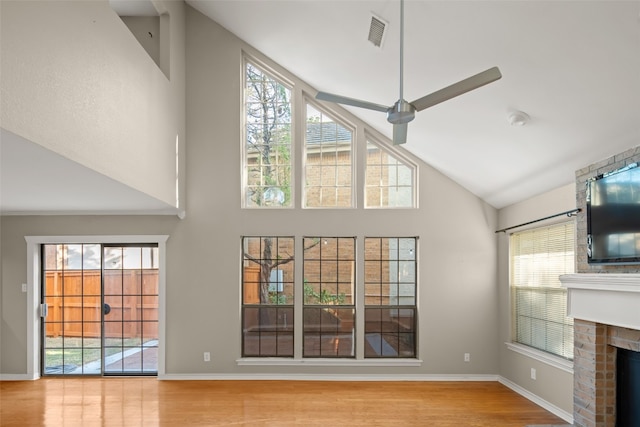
{"x": 467, "y": 357}
{"x": 207, "y": 356}
{"x": 533, "y": 373}
{"x": 24, "y": 287}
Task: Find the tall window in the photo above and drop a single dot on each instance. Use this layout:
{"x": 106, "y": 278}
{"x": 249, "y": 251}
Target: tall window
{"x": 267, "y": 296}
{"x": 329, "y": 297}
{"x": 538, "y": 258}
{"x": 267, "y": 149}
{"x": 390, "y": 297}
{"x": 389, "y": 180}
{"x": 328, "y": 162}
{"x": 328, "y": 155}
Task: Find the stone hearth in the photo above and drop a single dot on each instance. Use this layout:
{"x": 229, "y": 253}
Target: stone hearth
{"x": 606, "y": 313}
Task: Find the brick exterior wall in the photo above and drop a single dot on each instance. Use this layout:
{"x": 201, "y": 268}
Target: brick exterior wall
{"x": 331, "y": 184}
{"x": 595, "y": 344}
{"x": 328, "y": 179}
{"x": 373, "y": 251}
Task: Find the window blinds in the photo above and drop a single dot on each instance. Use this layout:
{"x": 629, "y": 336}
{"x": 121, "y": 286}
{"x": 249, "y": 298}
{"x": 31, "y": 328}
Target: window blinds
{"x": 538, "y": 257}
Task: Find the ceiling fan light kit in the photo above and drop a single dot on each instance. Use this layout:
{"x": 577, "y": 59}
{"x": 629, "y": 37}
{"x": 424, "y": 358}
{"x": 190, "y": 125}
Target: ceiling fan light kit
{"x": 402, "y": 112}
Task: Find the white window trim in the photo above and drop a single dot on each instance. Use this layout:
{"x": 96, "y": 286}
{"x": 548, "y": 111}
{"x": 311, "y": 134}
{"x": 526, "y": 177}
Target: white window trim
{"x": 248, "y": 58}
{"x": 541, "y": 356}
{"x": 533, "y": 353}
{"x": 340, "y": 119}
{"x": 301, "y": 93}
{"x": 33, "y": 289}
{"x": 396, "y": 153}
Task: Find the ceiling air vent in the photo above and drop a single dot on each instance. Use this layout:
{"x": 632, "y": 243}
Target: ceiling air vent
{"x": 376, "y": 31}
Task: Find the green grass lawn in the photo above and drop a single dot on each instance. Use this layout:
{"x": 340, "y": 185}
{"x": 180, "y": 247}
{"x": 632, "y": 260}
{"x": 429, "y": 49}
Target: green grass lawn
{"x": 80, "y": 351}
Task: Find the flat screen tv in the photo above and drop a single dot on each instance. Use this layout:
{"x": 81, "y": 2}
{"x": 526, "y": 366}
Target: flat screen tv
{"x": 613, "y": 217}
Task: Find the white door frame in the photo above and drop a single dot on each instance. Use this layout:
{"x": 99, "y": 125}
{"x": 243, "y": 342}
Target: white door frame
{"x": 33, "y": 289}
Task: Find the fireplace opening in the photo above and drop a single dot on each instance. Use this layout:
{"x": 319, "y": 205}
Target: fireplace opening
{"x": 627, "y": 388}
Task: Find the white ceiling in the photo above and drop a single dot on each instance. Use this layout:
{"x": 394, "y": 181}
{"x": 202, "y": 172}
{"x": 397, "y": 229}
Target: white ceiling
{"x": 573, "y": 66}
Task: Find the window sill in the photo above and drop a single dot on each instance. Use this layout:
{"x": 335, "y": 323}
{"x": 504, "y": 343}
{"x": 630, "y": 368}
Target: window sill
{"x": 274, "y": 361}
{"x": 541, "y": 356}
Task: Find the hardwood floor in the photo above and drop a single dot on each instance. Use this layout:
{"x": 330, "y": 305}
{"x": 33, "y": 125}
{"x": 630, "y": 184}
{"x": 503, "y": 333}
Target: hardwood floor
{"x": 150, "y": 402}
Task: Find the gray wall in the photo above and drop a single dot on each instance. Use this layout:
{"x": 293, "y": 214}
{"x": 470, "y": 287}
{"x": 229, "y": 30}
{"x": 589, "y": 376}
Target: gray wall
{"x": 458, "y": 297}
{"x": 77, "y": 82}
{"x": 13, "y": 333}
{"x": 553, "y": 385}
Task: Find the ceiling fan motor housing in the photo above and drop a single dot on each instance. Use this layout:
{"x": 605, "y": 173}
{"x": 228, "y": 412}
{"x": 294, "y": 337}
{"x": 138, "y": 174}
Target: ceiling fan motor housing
{"x": 401, "y": 112}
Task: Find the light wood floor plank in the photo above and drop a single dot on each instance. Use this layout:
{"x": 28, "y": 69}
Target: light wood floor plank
{"x": 149, "y": 402}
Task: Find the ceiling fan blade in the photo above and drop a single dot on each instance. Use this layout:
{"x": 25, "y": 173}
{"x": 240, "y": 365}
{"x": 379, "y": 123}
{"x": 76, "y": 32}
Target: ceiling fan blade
{"x": 324, "y": 96}
{"x": 456, "y": 89}
{"x": 400, "y": 133}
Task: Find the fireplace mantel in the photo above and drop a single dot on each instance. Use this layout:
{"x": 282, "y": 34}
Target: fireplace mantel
{"x": 610, "y": 299}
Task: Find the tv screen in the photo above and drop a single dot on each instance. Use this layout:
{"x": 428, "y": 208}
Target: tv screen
{"x": 613, "y": 217}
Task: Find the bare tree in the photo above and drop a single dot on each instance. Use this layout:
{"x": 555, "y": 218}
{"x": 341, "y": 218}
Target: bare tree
{"x": 268, "y": 263}
{"x": 268, "y": 133}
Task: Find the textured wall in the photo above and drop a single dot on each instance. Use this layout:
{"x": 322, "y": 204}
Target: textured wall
{"x": 77, "y": 82}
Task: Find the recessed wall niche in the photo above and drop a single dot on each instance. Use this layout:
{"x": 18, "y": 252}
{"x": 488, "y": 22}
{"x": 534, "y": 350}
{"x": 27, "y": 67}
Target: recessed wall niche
{"x": 149, "y": 27}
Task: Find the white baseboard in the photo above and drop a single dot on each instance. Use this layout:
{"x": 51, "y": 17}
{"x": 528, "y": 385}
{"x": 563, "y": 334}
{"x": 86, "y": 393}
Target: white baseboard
{"x": 537, "y": 400}
{"x": 325, "y": 377}
{"x": 17, "y": 377}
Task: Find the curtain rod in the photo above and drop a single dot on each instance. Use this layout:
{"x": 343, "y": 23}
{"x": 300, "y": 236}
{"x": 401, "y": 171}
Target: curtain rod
{"x": 567, "y": 213}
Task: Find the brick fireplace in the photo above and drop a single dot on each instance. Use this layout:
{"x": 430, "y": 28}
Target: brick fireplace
{"x": 606, "y": 312}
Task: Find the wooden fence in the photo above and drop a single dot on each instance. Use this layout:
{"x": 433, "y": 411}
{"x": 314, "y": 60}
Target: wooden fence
{"x": 75, "y": 306}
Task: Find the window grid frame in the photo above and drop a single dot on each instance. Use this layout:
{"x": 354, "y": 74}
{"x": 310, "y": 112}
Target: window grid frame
{"x": 399, "y": 161}
{"x": 249, "y": 189}
{"x": 284, "y": 326}
{"x": 340, "y": 307}
{"x": 335, "y": 149}
{"x": 384, "y": 352}
{"x": 103, "y": 345}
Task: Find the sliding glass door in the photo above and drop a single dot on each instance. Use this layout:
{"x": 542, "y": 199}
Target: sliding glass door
{"x": 72, "y": 337}
{"x": 100, "y": 309}
{"x": 130, "y": 315}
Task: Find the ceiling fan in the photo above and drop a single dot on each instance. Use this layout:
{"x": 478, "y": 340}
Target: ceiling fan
{"x": 402, "y": 112}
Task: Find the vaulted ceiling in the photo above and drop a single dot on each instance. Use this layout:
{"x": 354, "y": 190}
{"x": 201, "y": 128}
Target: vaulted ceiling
{"x": 572, "y": 66}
